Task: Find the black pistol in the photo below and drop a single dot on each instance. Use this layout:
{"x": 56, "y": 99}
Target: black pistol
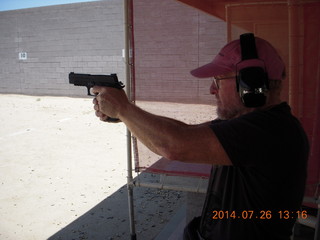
{"x": 89, "y": 81}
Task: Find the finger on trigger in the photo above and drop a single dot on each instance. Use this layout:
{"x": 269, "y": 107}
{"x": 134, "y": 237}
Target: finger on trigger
{"x": 96, "y": 90}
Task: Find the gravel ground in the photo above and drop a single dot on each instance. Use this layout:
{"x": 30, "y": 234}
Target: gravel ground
{"x": 63, "y": 174}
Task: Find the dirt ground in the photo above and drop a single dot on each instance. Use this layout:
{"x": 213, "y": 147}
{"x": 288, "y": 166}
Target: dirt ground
{"x": 63, "y": 173}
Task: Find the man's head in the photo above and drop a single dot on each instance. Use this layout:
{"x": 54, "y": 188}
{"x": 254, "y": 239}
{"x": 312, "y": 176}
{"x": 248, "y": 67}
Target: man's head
{"x": 236, "y": 60}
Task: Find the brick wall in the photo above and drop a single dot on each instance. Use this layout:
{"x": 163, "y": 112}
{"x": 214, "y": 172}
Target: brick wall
{"x": 82, "y": 37}
{"x": 170, "y": 40}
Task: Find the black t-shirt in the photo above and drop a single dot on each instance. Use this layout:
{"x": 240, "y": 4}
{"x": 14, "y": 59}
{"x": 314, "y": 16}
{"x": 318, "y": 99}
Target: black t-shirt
{"x": 257, "y": 197}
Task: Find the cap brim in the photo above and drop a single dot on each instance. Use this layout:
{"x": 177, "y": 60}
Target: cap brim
{"x": 215, "y": 68}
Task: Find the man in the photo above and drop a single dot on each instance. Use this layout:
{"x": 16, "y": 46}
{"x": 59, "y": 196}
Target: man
{"x": 258, "y": 151}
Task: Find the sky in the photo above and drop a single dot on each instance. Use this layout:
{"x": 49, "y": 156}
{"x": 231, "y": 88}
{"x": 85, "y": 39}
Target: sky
{"x": 6, "y": 5}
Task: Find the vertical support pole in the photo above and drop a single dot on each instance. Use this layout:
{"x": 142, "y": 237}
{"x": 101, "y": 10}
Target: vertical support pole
{"x": 130, "y": 188}
{"x": 295, "y": 62}
{"x": 228, "y": 21}
{"x": 127, "y": 26}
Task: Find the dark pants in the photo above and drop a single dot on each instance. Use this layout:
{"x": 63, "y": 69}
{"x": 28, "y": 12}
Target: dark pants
{"x": 191, "y": 230}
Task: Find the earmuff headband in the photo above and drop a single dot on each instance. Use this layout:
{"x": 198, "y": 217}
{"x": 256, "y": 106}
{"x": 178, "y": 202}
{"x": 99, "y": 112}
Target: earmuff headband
{"x": 248, "y": 46}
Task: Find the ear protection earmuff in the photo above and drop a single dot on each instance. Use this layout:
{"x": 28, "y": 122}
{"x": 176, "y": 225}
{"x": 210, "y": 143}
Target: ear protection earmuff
{"x": 252, "y": 82}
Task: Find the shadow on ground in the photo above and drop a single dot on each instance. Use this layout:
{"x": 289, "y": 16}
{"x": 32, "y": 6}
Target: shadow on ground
{"x": 109, "y": 219}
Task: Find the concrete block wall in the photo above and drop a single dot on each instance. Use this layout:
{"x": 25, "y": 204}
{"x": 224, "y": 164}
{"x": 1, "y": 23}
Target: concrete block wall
{"x": 81, "y": 37}
{"x": 170, "y": 40}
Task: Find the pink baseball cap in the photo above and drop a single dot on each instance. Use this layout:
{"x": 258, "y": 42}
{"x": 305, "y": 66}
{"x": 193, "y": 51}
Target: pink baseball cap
{"x": 229, "y": 58}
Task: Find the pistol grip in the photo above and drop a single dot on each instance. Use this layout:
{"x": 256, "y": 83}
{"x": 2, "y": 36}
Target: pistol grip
{"x": 112, "y": 120}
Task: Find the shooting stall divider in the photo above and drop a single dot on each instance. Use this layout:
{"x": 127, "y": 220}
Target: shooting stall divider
{"x": 128, "y": 28}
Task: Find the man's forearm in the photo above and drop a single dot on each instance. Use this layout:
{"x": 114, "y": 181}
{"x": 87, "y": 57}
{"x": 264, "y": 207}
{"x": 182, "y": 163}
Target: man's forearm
{"x": 159, "y": 134}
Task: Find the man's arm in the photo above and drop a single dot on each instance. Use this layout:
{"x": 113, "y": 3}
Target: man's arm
{"x": 169, "y": 138}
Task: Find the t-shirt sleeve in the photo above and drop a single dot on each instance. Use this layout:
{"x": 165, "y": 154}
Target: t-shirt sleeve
{"x": 245, "y": 139}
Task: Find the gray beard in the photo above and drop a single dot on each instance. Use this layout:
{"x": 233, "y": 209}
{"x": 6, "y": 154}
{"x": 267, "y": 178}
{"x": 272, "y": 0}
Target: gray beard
{"x": 226, "y": 114}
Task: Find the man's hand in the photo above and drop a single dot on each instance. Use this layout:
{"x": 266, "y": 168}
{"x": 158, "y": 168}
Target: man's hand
{"x": 99, "y": 114}
{"x": 109, "y": 102}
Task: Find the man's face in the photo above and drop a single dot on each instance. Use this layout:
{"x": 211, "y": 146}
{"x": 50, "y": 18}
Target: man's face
{"x": 229, "y": 104}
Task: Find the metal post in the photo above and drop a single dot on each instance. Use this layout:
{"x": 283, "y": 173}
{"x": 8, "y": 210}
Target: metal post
{"x": 126, "y": 6}
{"x": 130, "y": 188}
